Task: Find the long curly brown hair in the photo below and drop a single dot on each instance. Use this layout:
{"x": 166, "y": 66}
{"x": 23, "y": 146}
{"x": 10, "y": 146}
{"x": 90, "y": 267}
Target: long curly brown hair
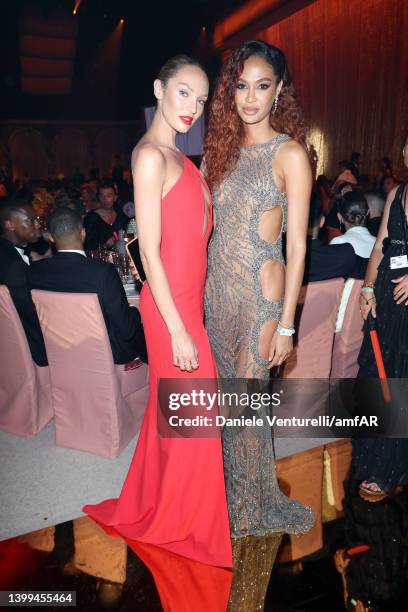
{"x": 225, "y": 132}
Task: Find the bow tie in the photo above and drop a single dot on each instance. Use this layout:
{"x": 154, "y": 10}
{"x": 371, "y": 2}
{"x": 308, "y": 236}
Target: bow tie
{"x": 26, "y": 249}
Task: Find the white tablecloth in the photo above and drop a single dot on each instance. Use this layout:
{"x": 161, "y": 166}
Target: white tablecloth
{"x": 43, "y": 485}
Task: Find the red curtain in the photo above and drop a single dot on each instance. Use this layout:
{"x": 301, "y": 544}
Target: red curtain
{"x": 349, "y": 62}
{"x": 34, "y": 66}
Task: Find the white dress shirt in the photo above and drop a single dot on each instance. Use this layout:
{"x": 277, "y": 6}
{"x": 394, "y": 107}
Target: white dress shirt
{"x": 24, "y": 257}
{"x": 360, "y": 239}
{"x": 72, "y": 251}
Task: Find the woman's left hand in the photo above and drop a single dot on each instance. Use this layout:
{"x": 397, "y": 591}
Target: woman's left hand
{"x": 401, "y": 289}
{"x": 279, "y": 350}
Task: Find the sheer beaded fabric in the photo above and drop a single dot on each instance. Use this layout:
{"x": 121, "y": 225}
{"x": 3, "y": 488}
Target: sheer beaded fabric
{"x": 243, "y": 303}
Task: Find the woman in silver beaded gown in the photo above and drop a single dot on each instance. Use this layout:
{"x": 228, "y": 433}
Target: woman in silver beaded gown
{"x": 261, "y": 181}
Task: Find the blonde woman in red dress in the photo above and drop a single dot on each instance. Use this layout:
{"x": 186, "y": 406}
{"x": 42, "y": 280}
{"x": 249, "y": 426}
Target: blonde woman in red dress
{"x": 174, "y": 494}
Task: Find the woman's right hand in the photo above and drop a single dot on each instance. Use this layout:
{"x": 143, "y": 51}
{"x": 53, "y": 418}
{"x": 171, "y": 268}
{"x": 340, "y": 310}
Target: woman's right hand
{"x": 367, "y": 305}
{"x": 185, "y": 354}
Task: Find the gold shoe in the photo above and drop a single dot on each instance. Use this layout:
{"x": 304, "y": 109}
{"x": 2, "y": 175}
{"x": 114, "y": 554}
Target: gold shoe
{"x": 253, "y": 559}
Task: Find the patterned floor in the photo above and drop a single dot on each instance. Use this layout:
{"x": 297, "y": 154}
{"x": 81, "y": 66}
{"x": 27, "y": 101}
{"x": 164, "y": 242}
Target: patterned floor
{"x": 316, "y": 589}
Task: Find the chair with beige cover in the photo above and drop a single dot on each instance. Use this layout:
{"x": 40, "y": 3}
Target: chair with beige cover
{"x": 315, "y": 321}
{"x": 25, "y": 392}
{"x": 98, "y": 406}
{"x": 348, "y": 339}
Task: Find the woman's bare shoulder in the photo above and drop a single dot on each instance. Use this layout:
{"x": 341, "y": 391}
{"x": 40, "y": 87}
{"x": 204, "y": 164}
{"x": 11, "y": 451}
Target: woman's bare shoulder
{"x": 393, "y": 192}
{"x": 145, "y": 152}
{"x": 148, "y": 158}
{"x": 292, "y": 149}
{"x": 390, "y": 199}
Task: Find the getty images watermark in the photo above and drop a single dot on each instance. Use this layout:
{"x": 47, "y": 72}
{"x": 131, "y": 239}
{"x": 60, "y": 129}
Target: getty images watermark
{"x": 254, "y": 401}
{"x": 289, "y": 408}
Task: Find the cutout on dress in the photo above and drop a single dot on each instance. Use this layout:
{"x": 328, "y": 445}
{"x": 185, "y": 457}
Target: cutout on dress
{"x": 270, "y": 224}
{"x": 272, "y": 280}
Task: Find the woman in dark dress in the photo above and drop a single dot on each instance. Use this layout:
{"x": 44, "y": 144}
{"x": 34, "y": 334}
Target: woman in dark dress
{"x": 100, "y": 224}
{"x": 382, "y": 463}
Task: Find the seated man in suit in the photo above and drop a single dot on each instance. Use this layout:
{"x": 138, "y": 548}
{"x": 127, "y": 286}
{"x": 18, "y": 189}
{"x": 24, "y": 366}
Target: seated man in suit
{"x": 20, "y": 227}
{"x": 71, "y": 271}
{"x": 329, "y": 261}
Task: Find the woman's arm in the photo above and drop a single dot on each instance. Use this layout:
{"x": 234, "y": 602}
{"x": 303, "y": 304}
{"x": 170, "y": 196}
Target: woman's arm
{"x": 367, "y": 298}
{"x": 149, "y": 173}
{"x": 298, "y": 186}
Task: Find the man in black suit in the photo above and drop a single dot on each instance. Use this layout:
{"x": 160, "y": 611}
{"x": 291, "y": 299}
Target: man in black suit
{"x": 19, "y": 228}
{"x": 71, "y": 271}
{"x": 329, "y": 261}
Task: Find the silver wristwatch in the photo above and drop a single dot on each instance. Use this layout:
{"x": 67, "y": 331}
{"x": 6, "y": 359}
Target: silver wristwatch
{"x": 285, "y": 331}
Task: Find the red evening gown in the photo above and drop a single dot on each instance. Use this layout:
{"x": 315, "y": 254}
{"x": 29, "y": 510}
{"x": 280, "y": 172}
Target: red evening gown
{"x": 174, "y": 494}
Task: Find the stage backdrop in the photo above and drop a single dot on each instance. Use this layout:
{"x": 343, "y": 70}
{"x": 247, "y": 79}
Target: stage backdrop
{"x": 39, "y": 149}
{"x": 349, "y": 61}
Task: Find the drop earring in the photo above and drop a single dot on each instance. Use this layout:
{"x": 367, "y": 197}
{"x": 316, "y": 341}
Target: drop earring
{"x": 275, "y": 104}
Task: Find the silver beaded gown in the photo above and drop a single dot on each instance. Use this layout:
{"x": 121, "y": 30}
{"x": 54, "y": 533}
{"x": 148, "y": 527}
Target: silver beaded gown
{"x": 243, "y": 302}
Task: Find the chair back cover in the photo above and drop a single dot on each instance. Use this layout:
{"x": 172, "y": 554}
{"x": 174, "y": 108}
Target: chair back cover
{"x": 315, "y": 323}
{"x": 347, "y": 342}
{"x": 98, "y": 406}
{"x": 25, "y": 392}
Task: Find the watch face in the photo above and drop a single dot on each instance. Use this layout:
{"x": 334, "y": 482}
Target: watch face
{"x": 285, "y": 331}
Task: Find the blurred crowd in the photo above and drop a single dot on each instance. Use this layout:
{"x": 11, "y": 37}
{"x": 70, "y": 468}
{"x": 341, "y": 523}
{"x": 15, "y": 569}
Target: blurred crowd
{"x": 111, "y": 197}
{"x": 374, "y": 187}
{"x": 106, "y": 203}
{"x": 78, "y": 192}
